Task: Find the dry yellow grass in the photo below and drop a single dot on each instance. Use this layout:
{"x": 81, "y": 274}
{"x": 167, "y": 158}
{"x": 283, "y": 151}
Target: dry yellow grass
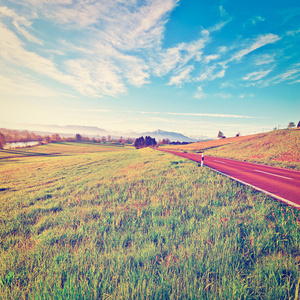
{"x": 278, "y": 148}
{"x": 210, "y": 144}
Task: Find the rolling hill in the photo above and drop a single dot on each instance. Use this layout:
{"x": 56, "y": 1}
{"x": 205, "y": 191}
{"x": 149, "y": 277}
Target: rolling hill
{"x": 276, "y": 148}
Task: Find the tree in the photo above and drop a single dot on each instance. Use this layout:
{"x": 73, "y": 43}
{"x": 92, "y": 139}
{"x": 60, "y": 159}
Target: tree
{"x": 55, "y": 138}
{"x": 47, "y": 139}
{"x": 142, "y": 142}
{"x": 298, "y": 126}
{"x": 103, "y": 139}
{"x": 2, "y": 140}
{"x": 291, "y": 125}
{"x": 220, "y": 135}
{"x": 78, "y": 137}
{"x": 238, "y": 134}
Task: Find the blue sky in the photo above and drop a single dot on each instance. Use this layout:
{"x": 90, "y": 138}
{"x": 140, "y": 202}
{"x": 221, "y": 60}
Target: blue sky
{"x": 190, "y": 66}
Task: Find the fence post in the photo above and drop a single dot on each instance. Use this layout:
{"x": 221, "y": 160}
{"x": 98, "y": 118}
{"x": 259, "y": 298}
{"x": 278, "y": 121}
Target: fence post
{"x": 202, "y": 159}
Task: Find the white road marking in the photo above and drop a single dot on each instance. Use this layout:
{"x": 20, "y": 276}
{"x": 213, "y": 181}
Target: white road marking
{"x": 220, "y": 161}
{"x": 273, "y": 174}
{"x": 261, "y": 190}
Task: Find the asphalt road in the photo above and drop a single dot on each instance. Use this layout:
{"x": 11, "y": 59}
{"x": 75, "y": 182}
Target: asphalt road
{"x": 281, "y": 184}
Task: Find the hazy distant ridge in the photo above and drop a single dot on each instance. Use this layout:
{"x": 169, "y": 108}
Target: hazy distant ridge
{"x": 92, "y": 131}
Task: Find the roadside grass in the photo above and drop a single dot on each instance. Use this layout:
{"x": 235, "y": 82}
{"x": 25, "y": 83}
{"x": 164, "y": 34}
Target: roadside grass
{"x": 140, "y": 224}
{"x": 279, "y": 148}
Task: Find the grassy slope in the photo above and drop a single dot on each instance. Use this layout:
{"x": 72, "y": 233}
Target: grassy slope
{"x": 277, "y": 148}
{"x": 139, "y": 224}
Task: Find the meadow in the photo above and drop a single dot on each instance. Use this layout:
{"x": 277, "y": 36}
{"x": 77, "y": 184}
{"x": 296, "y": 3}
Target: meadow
{"x": 95, "y": 222}
{"x": 280, "y": 148}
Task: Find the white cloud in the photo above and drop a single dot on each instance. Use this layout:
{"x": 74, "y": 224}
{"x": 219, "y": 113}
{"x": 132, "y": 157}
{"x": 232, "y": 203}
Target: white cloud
{"x": 222, "y": 49}
{"x": 218, "y": 26}
{"x": 22, "y": 86}
{"x": 95, "y": 78}
{"x": 293, "y": 32}
{"x": 223, "y": 95}
{"x": 177, "y": 57}
{"x": 296, "y": 81}
{"x": 288, "y": 75}
{"x": 242, "y": 96}
{"x": 258, "y": 43}
{"x": 121, "y": 23}
{"x": 104, "y": 46}
{"x": 257, "y": 75}
{"x": 212, "y": 72}
{"x": 12, "y": 51}
{"x": 70, "y": 47}
{"x": 200, "y": 115}
{"x": 183, "y": 76}
{"x": 209, "y": 58}
{"x": 222, "y": 10}
{"x": 226, "y": 85}
{"x": 117, "y": 33}
{"x": 256, "y": 20}
{"x": 19, "y": 23}
{"x": 264, "y": 59}
{"x": 200, "y": 94}
{"x": 88, "y": 77}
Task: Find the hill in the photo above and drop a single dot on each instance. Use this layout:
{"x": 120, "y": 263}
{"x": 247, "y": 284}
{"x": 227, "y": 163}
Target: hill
{"x": 276, "y": 148}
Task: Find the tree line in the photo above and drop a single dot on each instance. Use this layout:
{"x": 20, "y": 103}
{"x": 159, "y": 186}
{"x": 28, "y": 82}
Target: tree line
{"x": 142, "y": 142}
{"x": 14, "y": 136}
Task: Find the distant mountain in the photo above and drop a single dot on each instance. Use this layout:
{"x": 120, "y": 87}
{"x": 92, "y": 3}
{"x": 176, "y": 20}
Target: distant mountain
{"x": 92, "y": 131}
{"x": 68, "y": 130}
{"x": 172, "y": 136}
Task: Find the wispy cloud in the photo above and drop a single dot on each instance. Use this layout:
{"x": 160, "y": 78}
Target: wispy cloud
{"x": 200, "y": 93}
{"x": 255, "y": 20}
{"x": 200, "y": 115}
{"x": 17, "y": 83}
{"x": 209, "y": 58}
{"x": 288, "y": 75}
{"x": 20, "y": 23}
{"x": 88, "y": 109}
{"x": 183, "y": 76}
{"x": 256, "y": 44}
{"x": 177, "y": 57}
{"x": 227, "y": 85}
{"x": 242, "y": 96}
{"x": 12, "y": 51}
{"x": 106, "y": 46}
{"x": 223, "y": 95}
{"x": 264, "y": 59}
{"x": 257, "y": 75}
{"x": 212, "y": 72}
{"x": 114, "y": 33}
{"x": 293, "y": 32}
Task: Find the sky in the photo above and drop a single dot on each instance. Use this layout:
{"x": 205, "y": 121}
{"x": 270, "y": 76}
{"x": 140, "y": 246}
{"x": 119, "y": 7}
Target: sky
{"x": 188, "y": 66}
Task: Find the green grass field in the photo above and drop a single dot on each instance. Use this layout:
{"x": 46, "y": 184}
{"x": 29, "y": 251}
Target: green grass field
{"x": 96, "y": 222}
